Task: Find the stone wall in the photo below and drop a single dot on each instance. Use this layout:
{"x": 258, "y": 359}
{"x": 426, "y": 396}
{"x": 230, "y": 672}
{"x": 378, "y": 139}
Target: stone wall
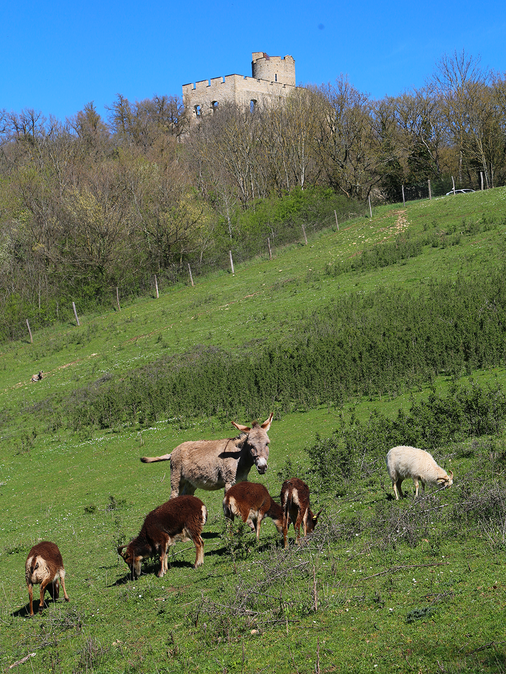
{"x": 273, "y": 79}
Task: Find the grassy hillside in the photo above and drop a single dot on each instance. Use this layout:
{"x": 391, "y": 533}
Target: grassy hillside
{"x": 382, "y": 586}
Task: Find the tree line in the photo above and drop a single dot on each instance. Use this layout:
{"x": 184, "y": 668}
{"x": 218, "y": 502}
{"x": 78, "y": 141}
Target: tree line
{"x": 89, "y": 203}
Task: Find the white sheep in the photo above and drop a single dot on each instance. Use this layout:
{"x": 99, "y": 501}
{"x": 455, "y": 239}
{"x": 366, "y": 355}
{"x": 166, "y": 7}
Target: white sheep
{"x": 410, "y": 462}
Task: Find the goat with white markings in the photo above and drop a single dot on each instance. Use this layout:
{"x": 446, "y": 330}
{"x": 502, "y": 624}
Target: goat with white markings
{"x": 44, "y": 566}
{"x": 295, "y": 505}
{"x": 180, "y": 519}
{"x": 37, "y": 377}
{"x": 417, "y": 464}
{"x": 252, "y": 502}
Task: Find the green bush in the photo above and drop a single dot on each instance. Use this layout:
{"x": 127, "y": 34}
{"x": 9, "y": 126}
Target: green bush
{"x": 357, "y": 446}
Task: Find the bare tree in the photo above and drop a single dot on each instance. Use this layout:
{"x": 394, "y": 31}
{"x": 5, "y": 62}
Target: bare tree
{"x": 346, "y": 144}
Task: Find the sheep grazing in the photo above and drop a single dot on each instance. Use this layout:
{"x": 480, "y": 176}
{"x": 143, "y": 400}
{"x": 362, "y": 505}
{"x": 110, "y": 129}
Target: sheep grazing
{"x": 180, "y": 519}
{"x": 37, "y": 377}
{"x": 44, "y": 566}
{"x": 252, "y": 502}
{"x": 417, "y": 464}
{"x": 295, "y": 506}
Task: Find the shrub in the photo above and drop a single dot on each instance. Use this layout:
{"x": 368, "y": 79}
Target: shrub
{"x": 356, "y": 447}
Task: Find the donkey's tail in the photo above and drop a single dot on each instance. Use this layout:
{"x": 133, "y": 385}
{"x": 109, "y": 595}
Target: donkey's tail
{"x": 153, "y": 459}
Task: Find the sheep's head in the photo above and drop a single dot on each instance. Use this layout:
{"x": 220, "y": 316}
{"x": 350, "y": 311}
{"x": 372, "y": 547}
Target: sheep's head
{"x": 445, "y": 479}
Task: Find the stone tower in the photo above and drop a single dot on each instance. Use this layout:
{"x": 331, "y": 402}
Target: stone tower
{"x": 273, "y": 78}
{"x": 273, "y": 68}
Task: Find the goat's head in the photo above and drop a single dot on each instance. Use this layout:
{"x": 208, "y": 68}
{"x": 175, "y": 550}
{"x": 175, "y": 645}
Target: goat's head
{"x": 132, "y": 559}
{"x": 312, "y": 521}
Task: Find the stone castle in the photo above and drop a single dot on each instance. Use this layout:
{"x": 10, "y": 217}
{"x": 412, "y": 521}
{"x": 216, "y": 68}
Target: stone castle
{"x": 272, "y": 79}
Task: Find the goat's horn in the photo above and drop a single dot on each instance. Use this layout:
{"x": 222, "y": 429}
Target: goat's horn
{"x": 450, "y": 475}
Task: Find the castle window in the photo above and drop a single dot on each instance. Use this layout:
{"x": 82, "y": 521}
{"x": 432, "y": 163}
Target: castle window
{"x": 198, "y": 111}
{"x": 252, "y": 105}
{"x": 214, "y": 106}
{"x": 276, "y": 77}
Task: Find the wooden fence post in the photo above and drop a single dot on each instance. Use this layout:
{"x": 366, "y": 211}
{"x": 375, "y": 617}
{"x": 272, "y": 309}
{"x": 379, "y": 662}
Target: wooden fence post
{"x": 156, "y": 287}
{"x": 430, "y": 191}
{"x": 304, "y": 232}
{"x": 403, "y": 197}
{"x": 370, "y": 207}
{"x": 337, "y": 224}
{"x": 29, "y": 331}
{"x": 75, "y": 313}
{"x": 231, "y": 262}
{"x": 269, "y": 247}
{"x": 117, "y": 298}
{"x": 191, "y": 277}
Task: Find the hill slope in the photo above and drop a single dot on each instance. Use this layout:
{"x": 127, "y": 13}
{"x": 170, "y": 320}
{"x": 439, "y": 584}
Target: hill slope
{"x": 407, "y": 586}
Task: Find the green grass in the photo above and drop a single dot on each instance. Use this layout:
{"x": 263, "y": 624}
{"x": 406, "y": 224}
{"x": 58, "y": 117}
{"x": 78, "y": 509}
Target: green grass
{"x": 382, "y": 586}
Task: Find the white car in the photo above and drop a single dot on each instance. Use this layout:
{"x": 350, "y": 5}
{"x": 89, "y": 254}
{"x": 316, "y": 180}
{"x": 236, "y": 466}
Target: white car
{"x": 465, "y": 191}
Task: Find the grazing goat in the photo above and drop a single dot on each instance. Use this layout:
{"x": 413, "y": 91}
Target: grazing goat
{"x": 44, "y": 565}
{"x": 295, "y": 505}
{"x": 217, "y": 464}
{"x": 180, "y": 519}
{"x": 37, "y": 377}
{"x": 417, "y": 464}
{"x": 252, "y": 502}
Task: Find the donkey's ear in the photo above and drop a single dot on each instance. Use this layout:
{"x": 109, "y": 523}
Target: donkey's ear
{"x": 267, "y": 423}
{"x": 240, "y": 427}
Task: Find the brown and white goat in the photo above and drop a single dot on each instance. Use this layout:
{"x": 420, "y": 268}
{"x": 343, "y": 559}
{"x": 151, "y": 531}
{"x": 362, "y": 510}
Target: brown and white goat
{"x": 44, "y": 566}
{"x": 295, "y": 505}
{"x": 252, "y": 502}
{"x": 180, "y": 519}
{"x": 37, "y": 377}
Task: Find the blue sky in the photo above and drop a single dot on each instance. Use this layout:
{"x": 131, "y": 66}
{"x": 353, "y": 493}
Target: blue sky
{"x": 57, "y": 56}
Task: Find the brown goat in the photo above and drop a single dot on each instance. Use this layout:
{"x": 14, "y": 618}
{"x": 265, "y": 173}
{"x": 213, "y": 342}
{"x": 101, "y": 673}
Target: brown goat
{"x": 36, "y": 377}
{"x": 180, "y": 519}
{"x": 295, "y": 505}
{"x": 252, "y": 502}
{"x": 44, "y": 565}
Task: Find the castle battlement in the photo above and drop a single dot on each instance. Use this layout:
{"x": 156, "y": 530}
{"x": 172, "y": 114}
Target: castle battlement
{"x": 273, "y": 78}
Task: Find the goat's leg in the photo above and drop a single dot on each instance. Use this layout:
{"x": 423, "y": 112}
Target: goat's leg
{"x": 259, "y": 524}
{"x": 30, "y": 597}
{"x": 43, "y": 587}
{"x": 62, "y": 578}
{"x": 54, "y": 589}
{"x": 199, "y": 549}
{"x": 298, "y": 523}
{"x": 304, "y": 522}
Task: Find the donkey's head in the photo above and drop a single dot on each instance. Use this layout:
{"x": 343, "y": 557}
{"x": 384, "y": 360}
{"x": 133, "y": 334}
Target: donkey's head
{"x": 258, "y": 442}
